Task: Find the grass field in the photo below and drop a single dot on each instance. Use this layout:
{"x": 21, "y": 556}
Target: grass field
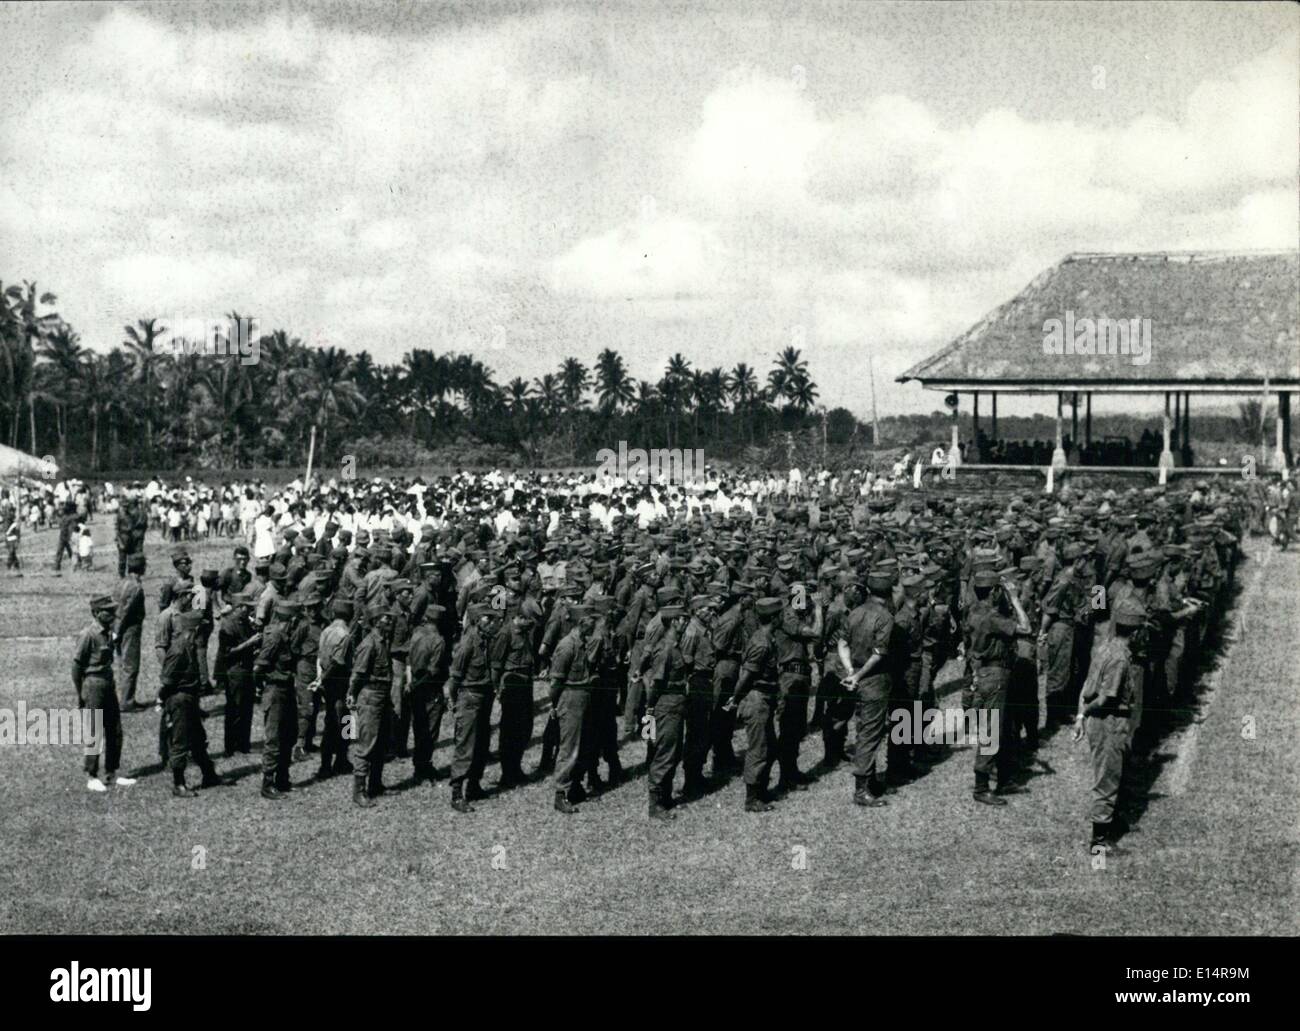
{"x": 1214, "y": 847}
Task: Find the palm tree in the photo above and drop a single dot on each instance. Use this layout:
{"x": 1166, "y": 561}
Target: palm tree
{"x": 742, "y": 388}
{"x": 140, "y": 344}
{"x": 33, "y": 325}
{"x": 58, "y": 379}
{"x": 550, "y": 396}
{"x": 574, "y": 379}
{"x": 613, "y": 384}
{"x": 802, "y": 393}
{"x": 326, "y": 389}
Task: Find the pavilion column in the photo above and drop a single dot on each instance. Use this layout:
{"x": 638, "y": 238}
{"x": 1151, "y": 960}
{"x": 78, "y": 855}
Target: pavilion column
{"x": 1074, "y": 419}
{"x": 954, "y": 452}
{"x": 1284, "y": 413}
{"x": 1087, "y": 419}
{"x": 975, "y": 428}
{"x": 1187, "y": 420}
{"x": 1283, "y": 416}
{"x": 1178, "y": 420}
{"x": 995, "y": 415}
{"x": 1058, "y": 456}
{"x": 1166, "y": 456}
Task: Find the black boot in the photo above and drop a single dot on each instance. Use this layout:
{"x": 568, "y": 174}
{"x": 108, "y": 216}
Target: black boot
{"x": 863, "y": 795}
{"x": 359, "y": 796}
{"x": 658, "y": 811}
{"x": 458, "y": 800}
{"x": 563, "y": 805}
{"x": 983, "y": 794}
{"x": 179, "y": 790}
{"x": 270, "y": 791}
{"x": 212, "y": 779}
{"x": 754, "y": 801}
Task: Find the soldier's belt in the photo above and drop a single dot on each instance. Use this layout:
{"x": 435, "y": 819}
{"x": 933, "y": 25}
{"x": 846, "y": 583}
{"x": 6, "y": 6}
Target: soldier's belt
{"x": 483, "y": 688}
{"x": 796, "y": 666}
{"x": 580, "y": 685}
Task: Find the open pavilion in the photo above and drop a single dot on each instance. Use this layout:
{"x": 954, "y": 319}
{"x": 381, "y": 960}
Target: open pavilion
{"x": 1212, "y": 324}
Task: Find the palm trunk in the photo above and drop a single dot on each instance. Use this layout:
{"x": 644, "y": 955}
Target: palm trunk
{"x": 31, "y": 415}
{"x": 94, "y": 439}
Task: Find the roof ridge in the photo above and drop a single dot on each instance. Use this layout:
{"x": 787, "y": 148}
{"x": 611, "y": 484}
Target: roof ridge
{"x": 1182, "y": 255}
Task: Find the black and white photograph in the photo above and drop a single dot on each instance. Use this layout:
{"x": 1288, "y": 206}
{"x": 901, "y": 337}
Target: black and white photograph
{"x": 650, "y": 470}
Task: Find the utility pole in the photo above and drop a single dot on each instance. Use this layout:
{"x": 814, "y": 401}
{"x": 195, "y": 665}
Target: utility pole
{"x": 875, "y": 426}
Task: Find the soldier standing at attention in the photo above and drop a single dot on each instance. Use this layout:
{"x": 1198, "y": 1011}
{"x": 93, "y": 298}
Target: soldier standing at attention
{"x": 992, "y": 643}
{"x": 666, "y": 700}
{"x": 370, "y": 694}
{"x": 275, "y": 664}
{"x": 427, "y": 662}
{"x": 572, "y": 680}
{"x": 471, "y": 688}
{"x": 697, "y": 654}
{"x": 182, "y": 716}
{"x": 1106, "y": 714}
{"x": 128, "y": 624}
{"x": 837, "y": 701}
{"x": 792, "y": 636}
{"x": 334, "y": 667}
{"x": 864, "y": 653}
{"x": 600, "y": 729}
{"x": 512, "y": 673}
{"x": 306, "y": 680}
{"x": 756, "y": 686}
{"x": 234, "y": 578}
{"x": 92, "y": 679}
{"x": 401, "y": 591}
{"x": 178, "y": 594}
{"x": 239, "y": 640}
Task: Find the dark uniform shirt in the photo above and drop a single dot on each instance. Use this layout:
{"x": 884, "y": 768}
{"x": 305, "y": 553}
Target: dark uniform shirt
{"x": 93, "y": 655}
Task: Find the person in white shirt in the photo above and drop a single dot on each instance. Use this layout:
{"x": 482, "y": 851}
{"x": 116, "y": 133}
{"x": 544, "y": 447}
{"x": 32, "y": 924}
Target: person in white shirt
{"x": 264, "y": 535}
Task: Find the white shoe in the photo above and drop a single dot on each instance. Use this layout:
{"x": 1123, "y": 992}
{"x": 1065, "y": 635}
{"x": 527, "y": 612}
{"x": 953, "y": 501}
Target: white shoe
{"x": 95, "y": 784}
{"x": 124, "y": 782}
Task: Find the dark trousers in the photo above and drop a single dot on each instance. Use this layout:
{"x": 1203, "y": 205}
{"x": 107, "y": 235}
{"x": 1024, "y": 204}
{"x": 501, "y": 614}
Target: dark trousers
{"x": 571, "y": 710}
{"x": 1108, "y": 741}
{"x": 64, "y": 546}
{"x": 990, "y": 704}
{"x": 308, "y": 704}
{"x": 600, "y": 740}
{"x": 201, "y": 638}
{"x": 669, "y": 713}
{"x": 1022, "y": 709}
{"x": 837, "y": 711}
{"x": 240, "y": 702}
{"x": 871, "y": 715}
{"x": 722, "y": 726}
{"x": 186, "y": 738}
{"x": 516, "y": 721}
{"x": 129, "y": 661}
{"x": 97, "y": 693}
{"x": 427, "y": 705}
{"x": 756, "y": 714}
{"x": 373, "y": 713}
{"x": 699, "y": 724}
{"x": 791, "y": 720}
{"x": 473, "y": 730}
{"x": 400, "y": 723}
{"x": 632, "y": 706}
{"x": 279, "y": 725}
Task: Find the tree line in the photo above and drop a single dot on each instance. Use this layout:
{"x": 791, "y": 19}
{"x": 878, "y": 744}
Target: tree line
{"x": 152, "y": 402}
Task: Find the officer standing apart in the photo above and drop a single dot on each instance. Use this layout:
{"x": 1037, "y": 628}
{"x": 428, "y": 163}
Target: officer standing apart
{"x": 92, "y": 679}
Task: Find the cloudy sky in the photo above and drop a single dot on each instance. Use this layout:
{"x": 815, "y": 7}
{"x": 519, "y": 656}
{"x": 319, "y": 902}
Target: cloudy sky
{"x": 528, "y": 181}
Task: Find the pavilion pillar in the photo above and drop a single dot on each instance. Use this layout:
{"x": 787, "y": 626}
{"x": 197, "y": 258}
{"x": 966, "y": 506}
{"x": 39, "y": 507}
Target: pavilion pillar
{"x": 975, "y": 428}
{"x": 1283, "y": 416}
{"x": 1074, "y": 419}
{"x": 1058, "y": 455}
{"x": 1087, "y": 419}
{"x": 1187, "y": 420}
{"x": 954, "y": 452}
{"x": 1166, "y": 456}
{"x": 1284, "y": 412}
{"x": 995, "y": 415}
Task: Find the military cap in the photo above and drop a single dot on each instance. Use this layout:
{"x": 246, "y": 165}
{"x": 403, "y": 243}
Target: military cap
{"x": 345, "y": 536}
{"x": 913, "y": 584}
{"x": 702, "y": 601}
{"x": 286, "y": 607}
{"x": 1030, "y": 564}
{"x": 382, "y": 552}
{"x": 669, "y": 612}
{"x": 433, "y": 612}
{"x": 785, "y": 562}
{"x": 1143, "y": 564}
{"x": 986, "y": 578}
{"x": 1072, "y": 551}
{"x": 135, "y": 563}
{"x": 241, "y": 551}
{"x": 379, "y": 610}
{"x": 102, "y": 601}
{"x": 342, "y": 608}
{"x": 768, "y": 606}
{"x": 401, "y": 584}
{"x": 428, "y": 567}
{"x": 208, "y": 577}
{"x": 180, "y": 554}
{"x": 278, "y": 571}
{"x": 290, "y": 533}
{"x": 262, "y": 563}
{"x": 309, "y": 534}
{"x": 667, "y": 595}
{"x": 478, "y": 610}
{"x": 603, "y": 604}
{"x": 1129, "y": 612}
